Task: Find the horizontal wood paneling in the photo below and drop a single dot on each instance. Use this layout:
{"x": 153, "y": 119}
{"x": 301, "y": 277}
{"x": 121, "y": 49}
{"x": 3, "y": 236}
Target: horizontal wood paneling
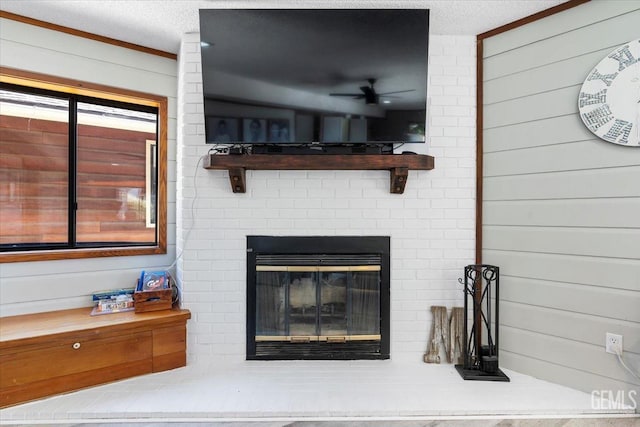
{"x": 621, "y": 305}
{"x": 605, "y": 272}
{"x": 565, "y": 44}
{"x": 591, "y": 154}
{"x": 535, "y": 107}
{"x": 571, "y": 377}
{"x": 55, "y": 269}
{"x": 537, "y": 133}
{"x": 77, "y": 67}
{"x": 601, "y": 183}
{"x": 557, "y": 75}
{"x": 569, "y": 353}
{"x": 563, "y": 323}
{"x": 607, "y": 213}
{"x": 67, "y": 285}
{"x": 72, "y": 45}
{"x": 610, "y": 243}
{"x": 84, "y": 34}
{"x": 562, "y": 22}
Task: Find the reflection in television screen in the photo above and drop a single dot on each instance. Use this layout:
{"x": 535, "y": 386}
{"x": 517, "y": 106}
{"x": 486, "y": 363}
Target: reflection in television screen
{"x": 333, "y": 76}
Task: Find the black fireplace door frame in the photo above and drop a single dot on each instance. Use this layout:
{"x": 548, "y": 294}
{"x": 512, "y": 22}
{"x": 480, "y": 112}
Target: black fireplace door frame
{"x": 319, "y": 245}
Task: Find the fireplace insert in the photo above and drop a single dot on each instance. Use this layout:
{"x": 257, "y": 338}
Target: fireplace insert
{"x": 323, "y": 297}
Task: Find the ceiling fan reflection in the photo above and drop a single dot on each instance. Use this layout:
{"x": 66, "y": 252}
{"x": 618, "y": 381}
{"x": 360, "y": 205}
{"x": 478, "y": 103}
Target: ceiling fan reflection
{"x": 370, "y": 95}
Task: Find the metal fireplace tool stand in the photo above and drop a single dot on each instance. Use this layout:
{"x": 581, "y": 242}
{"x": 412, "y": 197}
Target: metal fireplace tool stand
{"x": 480, "y": 357}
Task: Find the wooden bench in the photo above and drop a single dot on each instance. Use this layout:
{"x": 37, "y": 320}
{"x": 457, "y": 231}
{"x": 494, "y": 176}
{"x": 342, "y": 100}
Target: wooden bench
{"x": 59, "y": 351}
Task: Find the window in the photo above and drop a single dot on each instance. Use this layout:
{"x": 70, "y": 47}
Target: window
{"x": 80, "y": 172}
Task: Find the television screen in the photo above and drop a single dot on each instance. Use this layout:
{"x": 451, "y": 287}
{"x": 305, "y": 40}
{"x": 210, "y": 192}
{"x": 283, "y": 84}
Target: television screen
{"x": 335, "y": 76}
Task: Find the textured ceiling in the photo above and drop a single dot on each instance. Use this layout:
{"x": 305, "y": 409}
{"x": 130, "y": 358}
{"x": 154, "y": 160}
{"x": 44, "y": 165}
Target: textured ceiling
{"x": 160, "y": 24}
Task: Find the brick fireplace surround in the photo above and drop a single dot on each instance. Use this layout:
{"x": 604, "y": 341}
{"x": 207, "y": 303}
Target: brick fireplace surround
{"x": 431, "y": 225}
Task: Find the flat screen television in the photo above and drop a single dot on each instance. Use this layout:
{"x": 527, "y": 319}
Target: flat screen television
{"x": 314, "y": 76}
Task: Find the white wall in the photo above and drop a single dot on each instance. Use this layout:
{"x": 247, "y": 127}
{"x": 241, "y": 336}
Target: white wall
{"x": 50, "y": 285}
{"x": 431, "y": 225}
{"x": 561, "y": 207}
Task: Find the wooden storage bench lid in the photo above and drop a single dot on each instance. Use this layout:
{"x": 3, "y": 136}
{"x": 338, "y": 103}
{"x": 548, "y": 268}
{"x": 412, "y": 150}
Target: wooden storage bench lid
{"x": 20, "y": 330}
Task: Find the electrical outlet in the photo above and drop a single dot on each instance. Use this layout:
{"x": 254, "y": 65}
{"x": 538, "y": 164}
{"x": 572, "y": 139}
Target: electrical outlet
{"x": 613, "y": 343}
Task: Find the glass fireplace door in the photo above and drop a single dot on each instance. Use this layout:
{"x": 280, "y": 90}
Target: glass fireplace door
{"x": 317, "y": 303}
{"x": 365, "y": 303}
{"x": 334, "y": 310}
{"x": 302, "y": 307}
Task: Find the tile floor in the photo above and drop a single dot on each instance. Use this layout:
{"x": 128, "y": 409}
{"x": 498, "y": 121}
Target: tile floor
{"x": 308, "y": 391}
{"x": 493, "y": 422}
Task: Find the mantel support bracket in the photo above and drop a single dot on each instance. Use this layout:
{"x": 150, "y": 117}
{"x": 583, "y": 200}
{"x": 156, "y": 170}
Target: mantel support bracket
{"x": 398, "y": 179}
{"x": 238, "y": 178}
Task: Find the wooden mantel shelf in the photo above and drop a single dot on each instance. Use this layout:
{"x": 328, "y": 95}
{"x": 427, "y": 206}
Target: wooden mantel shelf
{"x": 397, "y": 164}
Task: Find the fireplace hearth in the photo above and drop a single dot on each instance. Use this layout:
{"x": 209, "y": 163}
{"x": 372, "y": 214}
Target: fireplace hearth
{"x": 324, "y": 297}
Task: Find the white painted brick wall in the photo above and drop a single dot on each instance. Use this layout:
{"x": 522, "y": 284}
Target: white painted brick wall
{"x": 431, "y": 225}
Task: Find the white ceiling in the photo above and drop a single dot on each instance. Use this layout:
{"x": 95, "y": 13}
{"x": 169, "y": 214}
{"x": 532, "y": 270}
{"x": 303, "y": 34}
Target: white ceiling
{"x": 160, "y": 24}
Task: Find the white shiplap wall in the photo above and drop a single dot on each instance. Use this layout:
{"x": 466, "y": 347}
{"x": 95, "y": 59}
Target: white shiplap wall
{"x": 561, "y": 207}
{"x": 49, "y": 285}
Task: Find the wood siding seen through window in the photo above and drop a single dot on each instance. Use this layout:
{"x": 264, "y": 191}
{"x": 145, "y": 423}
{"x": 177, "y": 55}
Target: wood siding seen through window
{"x": 34, "y": 177}
{"x": 111, "y": 181}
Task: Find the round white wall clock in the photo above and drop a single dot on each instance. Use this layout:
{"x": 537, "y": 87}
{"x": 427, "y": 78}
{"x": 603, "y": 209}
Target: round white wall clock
{"x": 609, "y": 100}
